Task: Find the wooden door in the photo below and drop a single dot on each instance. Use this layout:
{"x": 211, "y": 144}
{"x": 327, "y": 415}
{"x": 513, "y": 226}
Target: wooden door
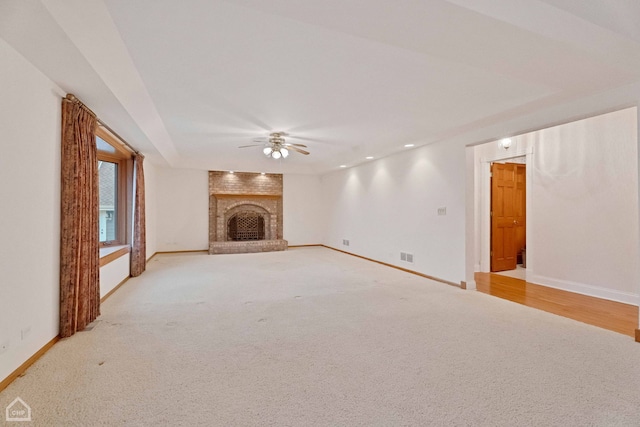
{"x": 503, "y": 217}
{"x": 520, "y": 209}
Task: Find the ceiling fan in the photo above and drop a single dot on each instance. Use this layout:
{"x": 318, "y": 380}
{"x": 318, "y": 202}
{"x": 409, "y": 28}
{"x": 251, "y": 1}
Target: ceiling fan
{"x": 276, "y": 147}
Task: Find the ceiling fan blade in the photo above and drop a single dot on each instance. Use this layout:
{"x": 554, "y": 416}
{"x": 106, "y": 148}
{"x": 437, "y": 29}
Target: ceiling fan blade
{"x": 296, "y": 145}
{"x": 261, "y": 139}
{"x": 316, "y": 140}
{"x": 252, "y": 145}
{"x": 299, "y": 150}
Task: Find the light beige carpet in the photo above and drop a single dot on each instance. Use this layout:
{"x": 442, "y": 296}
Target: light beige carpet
{"x": 315, "y": 337}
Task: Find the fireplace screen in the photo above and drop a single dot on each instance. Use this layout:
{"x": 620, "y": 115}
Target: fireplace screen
{"x": 245, "y": 226}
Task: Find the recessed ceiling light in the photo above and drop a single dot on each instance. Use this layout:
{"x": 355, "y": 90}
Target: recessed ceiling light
{"x": 343, "y": 166}
{"x": 409, "y": 145}
{"x": 369, "y": 157}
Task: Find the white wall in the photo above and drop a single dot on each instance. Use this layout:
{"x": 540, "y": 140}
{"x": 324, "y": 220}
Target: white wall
{"x": 391, "y": 205}
{"x": 302, "y": 209}
{"x": 30, "y": 111}
{"x": 112, "y": 274}
{"x": 182, "y": 209}
{"x": 585, "y": 201}
{"x": 582, "y": 204}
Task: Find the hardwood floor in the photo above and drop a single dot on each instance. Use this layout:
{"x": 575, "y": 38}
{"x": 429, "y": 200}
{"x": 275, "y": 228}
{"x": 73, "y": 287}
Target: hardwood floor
{"x": 611, "y": 315}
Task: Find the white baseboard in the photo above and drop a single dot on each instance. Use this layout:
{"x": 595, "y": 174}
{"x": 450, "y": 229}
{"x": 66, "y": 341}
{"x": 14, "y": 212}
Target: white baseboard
{"x": 581, "y": 288}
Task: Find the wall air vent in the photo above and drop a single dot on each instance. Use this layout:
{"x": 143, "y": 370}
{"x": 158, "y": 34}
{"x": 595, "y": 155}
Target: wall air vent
{"x": 404, "y": 256}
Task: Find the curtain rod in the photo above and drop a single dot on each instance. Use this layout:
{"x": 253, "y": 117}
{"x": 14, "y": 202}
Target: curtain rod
{"x": 72, "y": 98}
{"x": 122, "y": 141}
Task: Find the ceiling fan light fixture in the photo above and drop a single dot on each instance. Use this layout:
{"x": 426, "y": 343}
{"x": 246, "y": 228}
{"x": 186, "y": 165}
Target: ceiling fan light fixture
{"x": 276, "y": 146}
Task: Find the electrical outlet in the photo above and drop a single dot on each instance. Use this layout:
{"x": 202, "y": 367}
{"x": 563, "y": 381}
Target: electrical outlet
{"x": 442, "y": 211}
{"x": 4, "y": 346}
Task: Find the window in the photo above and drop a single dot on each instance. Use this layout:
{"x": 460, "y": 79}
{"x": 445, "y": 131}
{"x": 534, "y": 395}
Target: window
{"x": 108, "y": 178}
{"x": 114, "y": 178}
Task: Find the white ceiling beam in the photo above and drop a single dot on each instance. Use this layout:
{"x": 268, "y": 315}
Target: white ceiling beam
{"x": 89, "y": 26}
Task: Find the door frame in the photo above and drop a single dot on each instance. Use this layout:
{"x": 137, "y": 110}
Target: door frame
{"x": 484, "y": 215}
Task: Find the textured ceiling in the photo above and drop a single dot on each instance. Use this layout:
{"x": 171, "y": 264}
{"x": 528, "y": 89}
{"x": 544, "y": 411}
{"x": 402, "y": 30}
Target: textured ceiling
{"x": 189, "y": 81}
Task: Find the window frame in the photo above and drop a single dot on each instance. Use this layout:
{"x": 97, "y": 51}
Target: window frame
{"x": 123, "y": 159}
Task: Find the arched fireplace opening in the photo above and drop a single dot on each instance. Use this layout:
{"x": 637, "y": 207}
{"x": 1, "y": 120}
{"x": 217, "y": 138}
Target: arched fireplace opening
{"x": 245, "y": 225}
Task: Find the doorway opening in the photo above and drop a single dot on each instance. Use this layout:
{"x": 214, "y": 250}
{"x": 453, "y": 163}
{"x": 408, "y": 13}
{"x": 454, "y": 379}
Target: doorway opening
{"x": 508, "y": 217}
{"x": 484, "y": 157}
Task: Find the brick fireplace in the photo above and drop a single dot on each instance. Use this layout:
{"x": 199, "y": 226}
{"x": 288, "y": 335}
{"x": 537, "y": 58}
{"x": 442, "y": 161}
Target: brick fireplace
{"x": 245, "y": 212}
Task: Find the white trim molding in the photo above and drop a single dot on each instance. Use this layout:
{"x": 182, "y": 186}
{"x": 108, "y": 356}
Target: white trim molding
{"x": 584, "y": 289}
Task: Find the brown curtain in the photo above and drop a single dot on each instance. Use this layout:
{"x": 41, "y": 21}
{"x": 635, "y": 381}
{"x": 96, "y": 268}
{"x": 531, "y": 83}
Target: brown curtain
{"x": 138, "y": 243}
{"x": 79, "y": 250}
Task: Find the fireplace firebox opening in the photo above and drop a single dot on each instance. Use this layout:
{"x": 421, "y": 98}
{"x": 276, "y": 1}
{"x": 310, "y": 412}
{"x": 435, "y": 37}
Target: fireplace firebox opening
{"x": 245, "y": 225}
